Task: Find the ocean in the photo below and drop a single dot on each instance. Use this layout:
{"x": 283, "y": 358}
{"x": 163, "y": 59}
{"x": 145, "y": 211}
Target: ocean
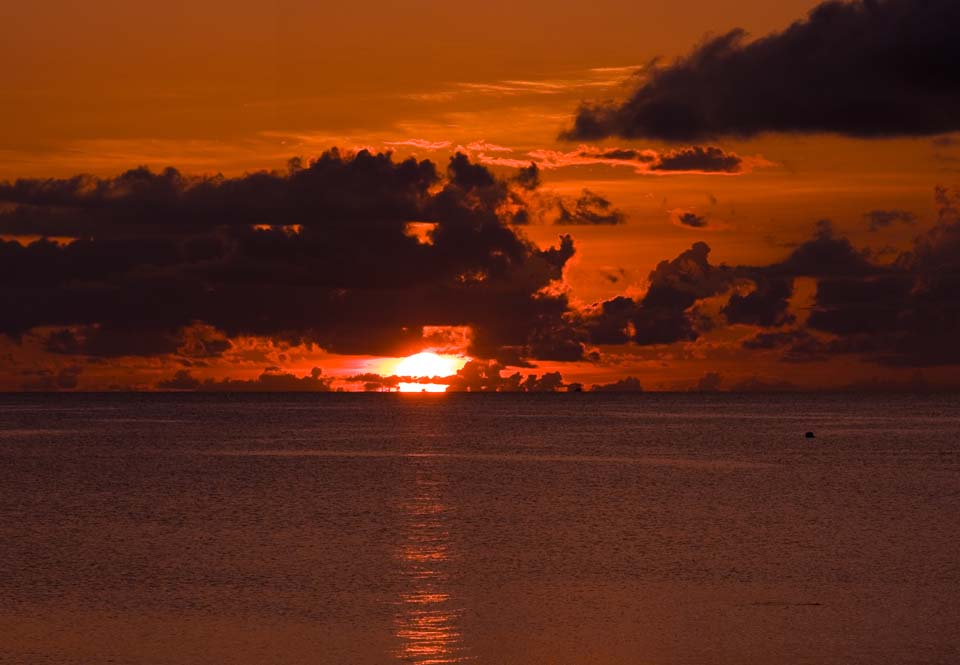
{"x": 648, "y": 529}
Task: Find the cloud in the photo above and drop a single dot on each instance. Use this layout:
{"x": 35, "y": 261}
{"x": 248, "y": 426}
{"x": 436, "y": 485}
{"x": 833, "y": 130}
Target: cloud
{"x": 182, "y": 380}
{"x": 375, "y": 382}
{"x": 826, "y": 255}
{"x": 709, "y": 382}
{"x": 663, "y": 315}
{"x": 630, "y": 384}
{"x": 51, "y": 380}
{"x": 589, "y": 209}
{"x": 271, "y": 380}
{"x": 880, "y": 219}
{"x": 485, "y": 376}
{"x": 702, "y": 160}
{"x": 897, "y": 313}
{"x": 691, "y": 219}
{"x": 184, "y": 269}
{"x": 486, "y": 146}
{"x": 420, "y": 143}
{"x": 904, "y": 313}
{"x": 867, "y": 68}
{"x": 766, "y": 305}
{"x": 797, "y": 346}
{"x": 698, "y": 159}
{"x": 319, "y": 254}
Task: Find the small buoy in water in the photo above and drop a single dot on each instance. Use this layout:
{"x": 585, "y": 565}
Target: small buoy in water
{"x": 809, "y": 435}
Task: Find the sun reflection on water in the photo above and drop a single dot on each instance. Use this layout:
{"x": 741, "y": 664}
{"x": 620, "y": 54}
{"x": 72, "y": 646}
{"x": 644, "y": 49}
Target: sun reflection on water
{"x": 427, "y": 623}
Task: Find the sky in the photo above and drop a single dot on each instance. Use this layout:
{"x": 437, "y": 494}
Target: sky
{"x": 622, "y": 195}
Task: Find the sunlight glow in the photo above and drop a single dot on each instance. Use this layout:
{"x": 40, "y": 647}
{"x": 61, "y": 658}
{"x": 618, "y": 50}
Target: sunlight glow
{"x": 427, "y": 364}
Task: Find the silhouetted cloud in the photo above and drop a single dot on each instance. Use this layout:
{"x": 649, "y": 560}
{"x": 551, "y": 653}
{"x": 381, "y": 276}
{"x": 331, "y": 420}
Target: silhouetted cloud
{"x": 691, "y": 219}
{"x": 696, "y": 158}
{"x": 182, "y": 380}
{"x": 630, "y": 384}
{"x": 797, "y": 346}
{"x": 320, "y": 254}
{"x": 271, "y": 380}
{"x": 485, "y": 376}
{"x": 51, "y": 380}
{"x": 865, "y": 68}
{"x": 662, "y": 316}
{"x": 766, "y": 305}
{"x": 375, "y": 382}
{"x": 880, "y": 219}
{"x": 905, "y": 313}
{"x": 826, "y": 255}
{"x": 590, "y": 209}
{"x": 165, "y": 265}
{"x": 710, "y": 382}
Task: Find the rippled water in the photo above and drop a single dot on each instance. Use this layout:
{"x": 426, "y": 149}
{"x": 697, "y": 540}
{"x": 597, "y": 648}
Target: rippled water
{"x": 527, "y": 529}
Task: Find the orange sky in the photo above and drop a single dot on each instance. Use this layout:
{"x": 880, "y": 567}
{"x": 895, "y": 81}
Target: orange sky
{"x": 210, "y": 87}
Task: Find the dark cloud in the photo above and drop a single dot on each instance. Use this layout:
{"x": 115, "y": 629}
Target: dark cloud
{"x": 826, "y": 255}
{"x": 116, "y": 341}
{"x": 709, "y": 382}
{"x": 866, "y": 68}
{"x": 473, "y": 176}
{"x": 630, "y": 384}
{"x": 662, "y": 316}
{"x": 271, "y": 380}
{"x": 590, "y": 209}
{"x": 902, "y": 312}
{"x": 320, "y": 254}
{"x": 845, "y": 306}
{"x": 374, "y": 382}
{"x": 182, "y": 380}
{"x": 529, "y": 177}
{"x": 547, "y": 383}
{"x": 485, "y": 376}
{"x": 692, "y": 219}
{"x": 620, "y": 153}
{"x": 880, "y": 219}
{"x": 169, "y": 266}
{"x": 766, "y": 305}
{"x": 51, "y": 380}
{"x": 696, "y": 158}
{"x": 703, "y": 159}
{"x": 796, "y": 346}
{"x": 905, "y": 313}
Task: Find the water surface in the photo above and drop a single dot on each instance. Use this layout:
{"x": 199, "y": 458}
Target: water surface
{"x": 527, "y": 529}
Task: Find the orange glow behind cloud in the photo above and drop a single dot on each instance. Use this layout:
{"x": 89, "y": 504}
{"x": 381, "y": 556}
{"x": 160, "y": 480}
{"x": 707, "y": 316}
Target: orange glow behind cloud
{"x": 425, "y": 365}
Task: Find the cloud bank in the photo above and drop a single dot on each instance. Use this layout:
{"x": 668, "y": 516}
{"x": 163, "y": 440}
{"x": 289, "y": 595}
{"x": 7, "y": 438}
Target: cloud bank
{"x": 867, "y": 68}
{"x": 319, "y": 254}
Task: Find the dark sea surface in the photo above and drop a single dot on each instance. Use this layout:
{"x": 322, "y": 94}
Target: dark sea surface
{"x": 501, "y": 529}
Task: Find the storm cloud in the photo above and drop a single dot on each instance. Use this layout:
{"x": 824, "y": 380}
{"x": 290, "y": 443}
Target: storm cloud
{"x": 867, "y": 68}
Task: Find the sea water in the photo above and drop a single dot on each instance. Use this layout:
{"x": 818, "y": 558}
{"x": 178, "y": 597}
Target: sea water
{"x": 501, "y": 528}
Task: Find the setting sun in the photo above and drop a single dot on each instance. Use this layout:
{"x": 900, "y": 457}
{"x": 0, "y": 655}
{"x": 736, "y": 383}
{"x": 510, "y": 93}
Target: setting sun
{"x": 427, "y": 364}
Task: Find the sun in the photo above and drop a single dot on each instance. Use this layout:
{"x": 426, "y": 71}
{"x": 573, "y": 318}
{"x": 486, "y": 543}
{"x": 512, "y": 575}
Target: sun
{"x": 427, "y": 364}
